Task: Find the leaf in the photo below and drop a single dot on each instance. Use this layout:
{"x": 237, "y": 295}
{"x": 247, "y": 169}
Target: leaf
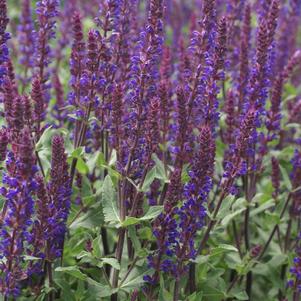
{"x": 86, "y": 257}
{"x": 196, "y": 296}
{"x": 201, "y": 259}
{"x": 109, "y": 200}
{"x": 81, "y": 166}
{"x": 77, "y": 152}
{"x": 212, "y": 294}
{"x": 41, "y": 297}
{"x": 160, "y": 170}
{"x": 27, "y": 258}
{"x": 129, "y": 221}
{"x": 145, "y": 233}
{"x": 45, "y": 137}
{"x": 133, "y": 281}
{"x": 113, "y": 158}
{"x": 73, "y": 116}
{"x": 223, "y": 248}
{"x": 99, "y": 289}
{"x": 133, "y": 236}
{"x": 67, "y": 292}
{"x": 152, "y": 213}
{"x": 262, "y": 208}
{"x": 286, "y": 178}
{"x": 150, "y": 177}
{"x": 225, "y": 207}
{"x": 165, "y": 295}
{"x": 89, "y": 220}
{"x": 97, "y": 246}
{"x": 112, "y": 172}
{"x": 184, "y": 176}
{"x": 101, "y": 160}
{"x": 241, "y": 295}
{"x": 291, "y": 125}
{"x": 112, "y": 262}
{"x": 72, "y": 271}
{"x": 229, "y": 217}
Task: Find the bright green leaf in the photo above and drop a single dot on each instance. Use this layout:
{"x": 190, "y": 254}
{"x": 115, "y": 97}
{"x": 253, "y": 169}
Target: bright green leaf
{"x": 109, "y": 199}
{"x": 72, "y": 271}
{"x": 112, "y": 262}
{"x": 229, "y": 217}
{"x": 152, "y": 213}
{"x": 81, "y": 166}
{"x": 150, "y": 177}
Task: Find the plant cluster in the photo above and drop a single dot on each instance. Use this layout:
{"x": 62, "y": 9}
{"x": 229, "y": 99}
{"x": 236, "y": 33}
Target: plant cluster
{"x": 150, "y": 150}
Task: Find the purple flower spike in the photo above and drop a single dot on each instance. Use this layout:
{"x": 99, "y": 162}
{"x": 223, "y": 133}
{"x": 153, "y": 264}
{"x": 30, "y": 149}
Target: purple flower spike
{"x": 60, "y": 190}
{"x": 17, "y": 213}
{"x": 26, "y": 39}
{"x": 46, "y": 11}
{"x": 4, "y": 36}
{"x": 3, "y": 143}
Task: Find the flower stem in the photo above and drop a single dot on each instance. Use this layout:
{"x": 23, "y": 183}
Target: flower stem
{"x": 50, "y": 280}
{"x": 176, "y": 293}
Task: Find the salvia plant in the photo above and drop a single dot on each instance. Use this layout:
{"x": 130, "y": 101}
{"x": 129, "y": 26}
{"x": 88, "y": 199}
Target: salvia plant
{"x": 150, "y": 150}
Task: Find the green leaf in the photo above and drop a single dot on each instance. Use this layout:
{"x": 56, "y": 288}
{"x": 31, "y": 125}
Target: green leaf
{"x": 229, "y": 217}
{"x": 67, "y": 292}
{"x": 41, "y": 297}
{"x": 28, "y": 258}
{"x": 212, "y": 294}
{"x": 73, "y": 116}
{"x": 145, "y": 233}
{"x": 152, "y": 213}
{"x": 242, "y": 295}
{"x": 109, "y": 200}
{"x": 89, "y": 220}
{"x": 201, "y": 259}
{"x": 165, "y": 295}
{"x": 101, "y": 160}
{"x": 99, "y": 289}
{"x": 112, "y": 172}
{"x": 112, "y": 262}
{"x": 45, "y": 137}
{"x": 113, "y": 158}
{"x": 77, "y": 152}
{"x": 286, "y": 179}
{"x": 133, "y": 236}
{"x": 195, "y": 297}
{"x": 150, "y": 177}
{"x": 225, "y": 207}
{"x": 223, "y": 248}
{"x": 72, "y": 271}
{"x": 184, "y": 176}
{"x": 130, "y": 221}
{"x": 262, "y": 208}
{"x": 86, "y": 257}
{"x": 97, "y": 246}
{"x": 133, "y": 281}
{"x": 160, "y": 169}
{"x": 81, "y": 166}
